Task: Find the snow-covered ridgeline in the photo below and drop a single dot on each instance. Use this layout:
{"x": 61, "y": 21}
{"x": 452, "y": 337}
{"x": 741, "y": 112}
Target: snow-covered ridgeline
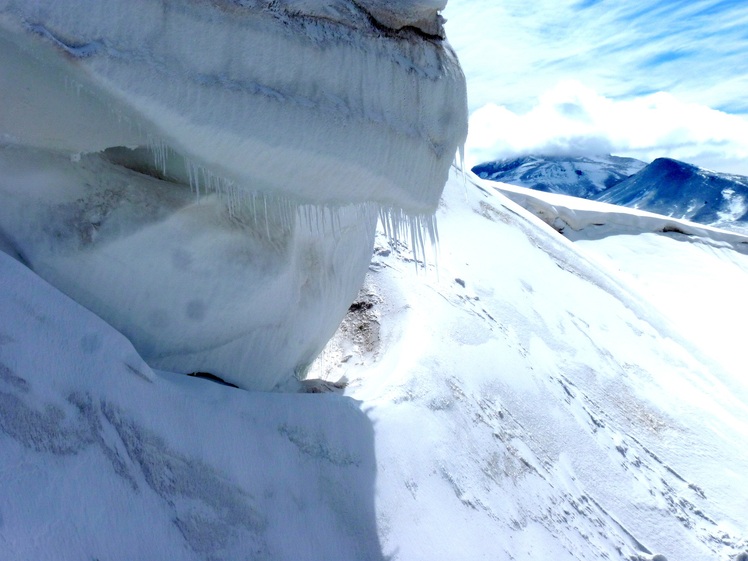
{"x": 295, "y": 122}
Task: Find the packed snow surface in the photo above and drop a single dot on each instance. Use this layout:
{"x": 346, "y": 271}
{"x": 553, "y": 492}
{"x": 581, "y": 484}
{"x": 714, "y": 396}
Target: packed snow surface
{"x": 206, "y": 175}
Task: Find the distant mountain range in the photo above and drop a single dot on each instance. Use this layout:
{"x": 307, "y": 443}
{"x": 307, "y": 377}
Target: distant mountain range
{"x": 682, "y": 190}
{"x": 584, "y": 177}
{"x": 665, "y": 186}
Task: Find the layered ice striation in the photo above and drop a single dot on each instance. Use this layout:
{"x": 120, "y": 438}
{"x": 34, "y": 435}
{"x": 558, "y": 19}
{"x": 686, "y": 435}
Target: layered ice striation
{"x": 316, "y": 100}
{"x": 207, "y": 175}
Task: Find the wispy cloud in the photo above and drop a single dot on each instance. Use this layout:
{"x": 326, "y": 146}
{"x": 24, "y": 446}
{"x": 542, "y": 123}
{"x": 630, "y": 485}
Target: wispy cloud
{"x": 696, "y": 50}
{"x": 516, "y": 53}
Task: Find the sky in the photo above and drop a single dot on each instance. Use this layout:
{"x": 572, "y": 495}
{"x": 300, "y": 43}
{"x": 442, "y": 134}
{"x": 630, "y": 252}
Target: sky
{"x": 641, "y": 78}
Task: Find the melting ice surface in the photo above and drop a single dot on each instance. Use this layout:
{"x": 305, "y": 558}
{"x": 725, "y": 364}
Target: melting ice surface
{"x": 297, "y": 123}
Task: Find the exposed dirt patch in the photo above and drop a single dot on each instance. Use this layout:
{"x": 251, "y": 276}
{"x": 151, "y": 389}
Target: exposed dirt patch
{"x": 357, "y": 340}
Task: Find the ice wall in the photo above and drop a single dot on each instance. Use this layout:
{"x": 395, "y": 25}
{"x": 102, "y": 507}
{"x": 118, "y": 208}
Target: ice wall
{"x": 206, "y": 175}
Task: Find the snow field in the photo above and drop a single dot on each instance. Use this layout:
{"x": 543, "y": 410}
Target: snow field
{"x": 545, "y": 408}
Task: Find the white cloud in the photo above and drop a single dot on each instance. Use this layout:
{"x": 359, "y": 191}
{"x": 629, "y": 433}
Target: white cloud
{"x": 513, "y": 51}
{"x": 573, "y": 119}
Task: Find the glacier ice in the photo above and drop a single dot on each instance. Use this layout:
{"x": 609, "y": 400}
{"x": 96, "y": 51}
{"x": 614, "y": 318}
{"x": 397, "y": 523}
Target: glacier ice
{"x": 295, "y": 122}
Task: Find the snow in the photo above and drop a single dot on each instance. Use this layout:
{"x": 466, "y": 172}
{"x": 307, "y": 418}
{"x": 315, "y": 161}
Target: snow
{"x": 693, "y": 289}
{"x": 295, "y": 125}
{"x": 250, "y": 89}
{"x": 102, "y": 457}
{"x": 700, "y": 292}
{"x": 544, "y": 407}
{"x": 566, "y": 384}
{"x": 194, "y": 287}
{"x": 547, "y": 403}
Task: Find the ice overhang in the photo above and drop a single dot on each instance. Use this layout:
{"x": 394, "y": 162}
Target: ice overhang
{"x": 313, "y": 102}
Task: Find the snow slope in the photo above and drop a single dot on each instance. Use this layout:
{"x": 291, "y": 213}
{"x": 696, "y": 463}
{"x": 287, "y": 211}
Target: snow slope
{"x": 533, "y": 402}
{"x": 104, "y": 458}
{"x": 527, "y": 400}
{"x": 691, "y": 272}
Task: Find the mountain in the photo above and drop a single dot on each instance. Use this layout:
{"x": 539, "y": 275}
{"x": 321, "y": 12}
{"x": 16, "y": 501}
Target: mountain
{"x": 682, "y": 190}
{"x": 209, "y": 187}
{"x": 665, "y": 186}
{"x": 584, "y": 177}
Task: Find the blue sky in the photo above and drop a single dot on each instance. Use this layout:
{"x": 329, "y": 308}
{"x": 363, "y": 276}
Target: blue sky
{"x": 643, "y": 78}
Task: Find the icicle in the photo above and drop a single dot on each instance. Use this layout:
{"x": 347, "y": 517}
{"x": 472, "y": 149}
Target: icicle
{"x": 411, "y": 231}
{"x": 267, "y": 221}
{"x": 160, "y": 151}
{"x": 461, "y": 156}
{"x": 273, "y": 216}
{"x": 193, "y": 175}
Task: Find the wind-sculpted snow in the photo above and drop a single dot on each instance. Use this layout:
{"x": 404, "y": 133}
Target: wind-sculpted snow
{"x": 248, "y": 296}
{"x": 207, "y": 175}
